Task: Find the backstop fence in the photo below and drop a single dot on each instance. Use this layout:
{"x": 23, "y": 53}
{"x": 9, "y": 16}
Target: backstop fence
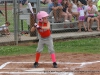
{"x": 21, "y": 21}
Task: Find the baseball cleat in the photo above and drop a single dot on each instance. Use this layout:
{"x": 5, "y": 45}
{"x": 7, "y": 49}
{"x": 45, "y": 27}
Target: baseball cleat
{"x": 54, "y": 65}
{"x": 35, "y": 65}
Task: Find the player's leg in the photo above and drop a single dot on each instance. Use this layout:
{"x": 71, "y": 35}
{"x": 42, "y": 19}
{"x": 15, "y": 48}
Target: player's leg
{"x": 38, "y": 52}
{"x": 50, "y": 45}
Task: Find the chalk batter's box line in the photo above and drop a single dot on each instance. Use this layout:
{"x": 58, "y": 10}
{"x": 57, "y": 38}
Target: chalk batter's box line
{"x": 82, "y": 64}
{"x": 3, "y": 65}
{"x": 60, "y": 62}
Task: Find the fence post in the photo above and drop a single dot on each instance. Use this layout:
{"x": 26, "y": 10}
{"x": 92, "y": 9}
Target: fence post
{"x": 5, "y": 11}
{"x": 16, "y": 21}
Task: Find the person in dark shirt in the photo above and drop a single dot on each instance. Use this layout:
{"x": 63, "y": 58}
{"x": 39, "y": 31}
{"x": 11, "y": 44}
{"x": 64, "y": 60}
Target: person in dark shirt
{"x": 56, "y": 9}
{"x": 23, "y": 2}
{"x": 65, "y": 13}
{"x": 82, "y": 1}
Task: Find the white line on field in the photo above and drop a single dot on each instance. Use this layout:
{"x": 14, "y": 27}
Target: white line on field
{"x": 36, "y": 70}
{"x": 3, "y": 65}
{"x": 82, "y": 64}
{"x": 39, "y": 73}
{"x": 61, "y": 62}
{"x": 16, "y": 73}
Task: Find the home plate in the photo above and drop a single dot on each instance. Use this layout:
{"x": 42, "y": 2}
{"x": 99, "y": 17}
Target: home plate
{"x": 36, "y": 70}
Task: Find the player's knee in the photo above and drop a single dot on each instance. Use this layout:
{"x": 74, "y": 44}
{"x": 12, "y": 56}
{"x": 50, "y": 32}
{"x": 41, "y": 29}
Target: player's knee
{"x": 51, "y": 51}
{"x": 39, "y": 50}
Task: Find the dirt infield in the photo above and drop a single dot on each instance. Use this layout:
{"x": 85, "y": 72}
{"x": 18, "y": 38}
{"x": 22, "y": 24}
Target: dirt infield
{"x": 68, "y": 64}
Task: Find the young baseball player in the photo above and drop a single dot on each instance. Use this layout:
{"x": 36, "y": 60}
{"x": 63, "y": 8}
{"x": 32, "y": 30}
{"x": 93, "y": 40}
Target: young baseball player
{"x": 43, "y": 28}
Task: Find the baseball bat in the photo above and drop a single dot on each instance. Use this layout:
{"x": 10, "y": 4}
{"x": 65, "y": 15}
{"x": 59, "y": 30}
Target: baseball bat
{"x": 30, "y": 7}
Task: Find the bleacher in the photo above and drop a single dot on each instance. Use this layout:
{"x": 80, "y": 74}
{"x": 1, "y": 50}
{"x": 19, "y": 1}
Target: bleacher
{"x": 64, "y": 25}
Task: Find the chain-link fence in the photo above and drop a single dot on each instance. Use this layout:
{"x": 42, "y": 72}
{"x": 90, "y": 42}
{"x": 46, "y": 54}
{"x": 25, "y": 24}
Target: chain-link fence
{"x": 17, "y": 13}
{"x": 6, "y": 15}
{"x": 21, "y": 20}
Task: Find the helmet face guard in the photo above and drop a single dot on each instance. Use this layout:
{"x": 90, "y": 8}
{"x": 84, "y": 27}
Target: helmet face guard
{"x": 41, "y": 14}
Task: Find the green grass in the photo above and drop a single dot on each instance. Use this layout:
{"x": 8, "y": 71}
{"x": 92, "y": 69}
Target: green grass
{"x": 17, "y": 50}
{"x": 90, "y": 45}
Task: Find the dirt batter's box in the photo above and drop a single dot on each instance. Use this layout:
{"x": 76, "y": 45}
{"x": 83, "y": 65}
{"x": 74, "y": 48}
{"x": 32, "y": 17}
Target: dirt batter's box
{"x": 64, "y": 68}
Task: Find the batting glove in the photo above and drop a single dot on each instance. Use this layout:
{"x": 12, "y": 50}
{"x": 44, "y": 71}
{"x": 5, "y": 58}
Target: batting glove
{"x": 37, "y": 26}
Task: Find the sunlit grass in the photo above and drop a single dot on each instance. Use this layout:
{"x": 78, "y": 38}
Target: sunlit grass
{"x": 90, "y": 45}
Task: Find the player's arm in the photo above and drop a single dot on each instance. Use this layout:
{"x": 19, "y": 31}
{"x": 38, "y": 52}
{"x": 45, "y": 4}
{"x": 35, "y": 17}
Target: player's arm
{"x": 46, "y": 27}
{"x": 33, "y": 28}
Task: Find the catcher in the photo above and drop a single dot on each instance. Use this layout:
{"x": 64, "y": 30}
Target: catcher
{"x": 43, "y": 28}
